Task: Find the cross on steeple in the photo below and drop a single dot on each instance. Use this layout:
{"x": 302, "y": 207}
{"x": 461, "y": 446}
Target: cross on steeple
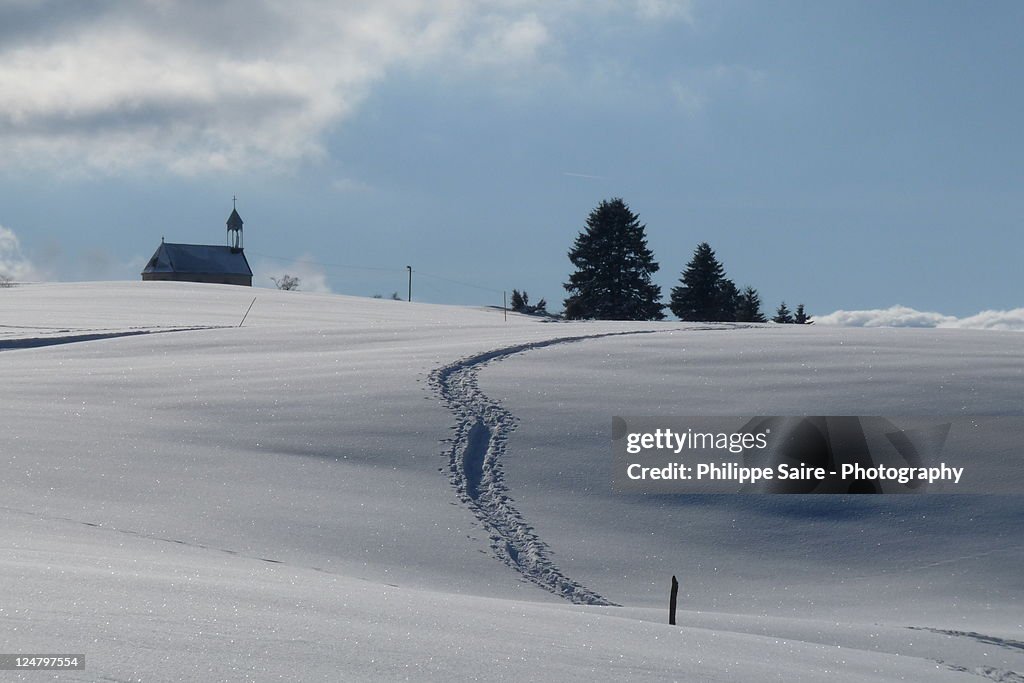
{"x": 234, "y": 226}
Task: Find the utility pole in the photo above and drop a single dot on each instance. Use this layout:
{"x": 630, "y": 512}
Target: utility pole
{"x": 504, "y": 304}
{"x": 410, "y": 282}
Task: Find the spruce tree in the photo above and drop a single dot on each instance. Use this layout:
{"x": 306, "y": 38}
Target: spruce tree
{"x": 783, "y": 314}
{"x": 613, "y": 268}
{"x": 518, "y": 300}
{"x": 704, "y": 293}
{"x": 728, "y": 300}
{"x": 748, "y": 310}
{"x": 520, "y": 303}
{"x": 801, "y": 317}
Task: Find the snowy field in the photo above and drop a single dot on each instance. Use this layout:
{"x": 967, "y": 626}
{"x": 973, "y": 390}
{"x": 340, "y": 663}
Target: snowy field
{"x": 360, "y": 489}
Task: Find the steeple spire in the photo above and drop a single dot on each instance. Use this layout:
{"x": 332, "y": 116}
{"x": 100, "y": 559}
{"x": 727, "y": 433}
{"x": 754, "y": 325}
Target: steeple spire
{"x": 234, "y": 226}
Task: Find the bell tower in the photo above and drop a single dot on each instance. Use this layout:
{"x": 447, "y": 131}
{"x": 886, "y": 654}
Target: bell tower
{"x": 234, "y": 227}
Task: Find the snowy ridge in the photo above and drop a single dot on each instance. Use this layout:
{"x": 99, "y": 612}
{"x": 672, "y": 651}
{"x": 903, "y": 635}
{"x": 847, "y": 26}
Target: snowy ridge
{"x": 474, "y": 464}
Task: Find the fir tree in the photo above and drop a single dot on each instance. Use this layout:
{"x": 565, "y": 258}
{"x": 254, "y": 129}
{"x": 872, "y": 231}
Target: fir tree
{"x": 748, "y": 309}
{"x": 783, "y": 314}
{"x": 519, "y": 300}
{"x": 521, "y": 304}
{"x": 704, "y": 293}
{"x": 728, "y": 300}
{"x": 613, "y": 268}
{"x": 801, "y": 317}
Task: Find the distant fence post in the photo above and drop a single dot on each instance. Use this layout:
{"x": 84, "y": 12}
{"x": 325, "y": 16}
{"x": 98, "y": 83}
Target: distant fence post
{"x": 672, "y": 602}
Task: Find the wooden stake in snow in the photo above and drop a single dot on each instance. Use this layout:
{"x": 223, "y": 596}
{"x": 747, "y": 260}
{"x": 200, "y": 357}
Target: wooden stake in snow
{"x": 247, "y": 311}
{"x": 672, "y": 602}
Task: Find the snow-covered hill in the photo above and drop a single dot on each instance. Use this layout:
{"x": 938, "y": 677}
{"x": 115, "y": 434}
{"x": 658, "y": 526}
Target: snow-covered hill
{"x": 186, "y": 499}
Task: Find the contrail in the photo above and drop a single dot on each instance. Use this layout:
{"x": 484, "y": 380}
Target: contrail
{"x": 583, "y": 175}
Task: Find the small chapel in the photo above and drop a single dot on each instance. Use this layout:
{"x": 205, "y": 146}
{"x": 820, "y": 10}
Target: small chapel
{"x": 216, "y": 264}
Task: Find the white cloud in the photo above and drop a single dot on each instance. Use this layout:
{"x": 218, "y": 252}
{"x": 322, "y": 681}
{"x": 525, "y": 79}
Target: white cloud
{"x": 903, "y": 316}
{"x": 197, "y": 87}
{"x": 993, "y": 320}
{"x": 311, "y": 276}
{"x": 504, "y": 41}
{"x": 894, "y": 316}
{"x": 13, "y": 263}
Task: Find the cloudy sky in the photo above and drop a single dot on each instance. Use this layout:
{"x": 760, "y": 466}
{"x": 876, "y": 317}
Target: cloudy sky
{"x": 847, "y": 155}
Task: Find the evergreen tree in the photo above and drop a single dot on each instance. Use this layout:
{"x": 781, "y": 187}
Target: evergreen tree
{"x": 783, "y": 314}
{"x": 704, "y": 293}
{"x": 519, "y": 300}
{"x": 801, "y": 317}
{"x": 613, "y": 268}
{"x": 521, "y": 304}
{"x": 748, "y": 309}
{"x": 728, "y": 300}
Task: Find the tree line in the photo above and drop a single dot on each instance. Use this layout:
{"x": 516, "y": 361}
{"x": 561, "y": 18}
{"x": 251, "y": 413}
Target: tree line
{"x": 612, "y": 280}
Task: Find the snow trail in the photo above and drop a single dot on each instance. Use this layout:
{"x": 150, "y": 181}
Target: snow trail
{"x": 475, "y": 470}
{"x": 989, "y": 672}
{"x": 37, "y": 342}
{"x": 974, "y": 635}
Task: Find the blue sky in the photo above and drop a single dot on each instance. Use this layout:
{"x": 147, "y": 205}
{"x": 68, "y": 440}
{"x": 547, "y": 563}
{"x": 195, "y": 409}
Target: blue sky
{"x": 847, "y": 155}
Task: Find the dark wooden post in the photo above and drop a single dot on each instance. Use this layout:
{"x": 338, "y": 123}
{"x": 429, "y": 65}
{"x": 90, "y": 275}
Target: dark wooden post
{"x": 247, "y": 312}
{"x": 672, "y": 602}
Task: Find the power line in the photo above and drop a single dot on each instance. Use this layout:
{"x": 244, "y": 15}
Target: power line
{"x": 458, "y": 282}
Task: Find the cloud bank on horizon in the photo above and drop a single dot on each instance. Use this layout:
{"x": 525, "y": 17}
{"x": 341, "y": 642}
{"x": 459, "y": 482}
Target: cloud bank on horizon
{"x": 197, "y": 87}
{"x": 903, "y": 316}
